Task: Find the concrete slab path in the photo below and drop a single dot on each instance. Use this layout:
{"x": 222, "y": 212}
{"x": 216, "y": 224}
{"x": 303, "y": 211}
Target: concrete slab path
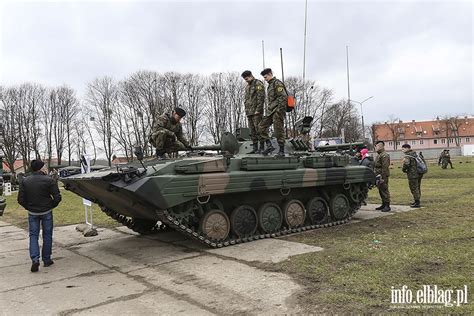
{"x": 120, "y": 272}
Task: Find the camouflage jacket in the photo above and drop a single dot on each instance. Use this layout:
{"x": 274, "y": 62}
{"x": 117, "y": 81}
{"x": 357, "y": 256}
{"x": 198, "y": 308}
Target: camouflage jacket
{"x": 165, "y": 122}
{"x": 277, "y": 97}
{"x": 409, "y": 164}
{"x": 254, "y": 97}
{"x": 382, "y": 164}
{"x": 444, "y": 156}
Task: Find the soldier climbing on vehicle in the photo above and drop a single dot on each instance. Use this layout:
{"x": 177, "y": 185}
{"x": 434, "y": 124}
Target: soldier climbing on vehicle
{"x": 167, "y": 133}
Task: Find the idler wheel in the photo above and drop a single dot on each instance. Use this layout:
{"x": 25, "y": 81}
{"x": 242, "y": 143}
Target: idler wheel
{"x": 294, "y": 213}
{"x": 270, "y": 217}
{"x": 215, "y": 225}
{"x": 244, "y": 220}
{"x": 317, "y": 209}
{"x": 339, "y": 207}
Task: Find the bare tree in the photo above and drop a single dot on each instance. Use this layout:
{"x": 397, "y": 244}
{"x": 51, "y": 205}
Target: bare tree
{"x": 451, "y": 126}
{"x": 142, "y": 98}
{"x": 373, "y": 131}
{"x": 63, "y": 108}
{"x": 394, "y": 124}
{"x": 28, "y": 98}
{"x": 234, "y": 100}
{"x": 315, "y": 103}
{"x": 8, "y": 129}
{"x": 102, "y": 96}
{"x": 341, "y": 117}
{"x": 194, "y": 98}
{"x": 216, "y": 111}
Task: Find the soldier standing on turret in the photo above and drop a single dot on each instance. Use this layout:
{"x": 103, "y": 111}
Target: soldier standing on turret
{"x": 254, "y": 101}
{"x": 167, "y": 133}
{"x": 276, "y": 112}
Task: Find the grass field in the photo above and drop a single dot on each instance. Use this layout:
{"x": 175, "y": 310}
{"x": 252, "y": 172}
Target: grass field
{"x": 433, "y": 245}
{"x": 70, "y": 211}
{"x": 362, "y": 261}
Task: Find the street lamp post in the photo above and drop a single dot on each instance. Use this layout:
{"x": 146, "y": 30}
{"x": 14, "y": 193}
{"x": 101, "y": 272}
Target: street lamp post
{"x": 362, "y": 114}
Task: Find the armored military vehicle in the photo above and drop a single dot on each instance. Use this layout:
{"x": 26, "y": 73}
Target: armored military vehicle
{"x": 231, "y": 197}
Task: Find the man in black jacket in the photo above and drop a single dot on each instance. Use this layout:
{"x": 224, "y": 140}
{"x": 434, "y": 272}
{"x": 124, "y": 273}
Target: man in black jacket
{"x": 39, "y": 194}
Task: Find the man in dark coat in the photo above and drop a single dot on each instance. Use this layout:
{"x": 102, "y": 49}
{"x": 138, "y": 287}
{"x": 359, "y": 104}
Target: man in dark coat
{"x": 39, "y": 194}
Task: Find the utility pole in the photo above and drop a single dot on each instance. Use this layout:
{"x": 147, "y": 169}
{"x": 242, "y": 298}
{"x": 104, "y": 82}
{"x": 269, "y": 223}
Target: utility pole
{"x": 281, "y": 57}
{"x": 348, "y": 88}
{"x": 304, "y": 48}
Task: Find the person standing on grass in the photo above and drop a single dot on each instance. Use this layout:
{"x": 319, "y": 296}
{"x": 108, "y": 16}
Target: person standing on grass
{"x": 409, "y": 167}
{"x": 39, "y": 194}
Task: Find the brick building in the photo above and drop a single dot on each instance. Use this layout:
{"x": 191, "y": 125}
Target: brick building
{"x": 437, "y": 134}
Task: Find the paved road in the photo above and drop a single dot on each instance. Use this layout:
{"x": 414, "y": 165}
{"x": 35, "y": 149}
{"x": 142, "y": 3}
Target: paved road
{"x": 118, "y": 272}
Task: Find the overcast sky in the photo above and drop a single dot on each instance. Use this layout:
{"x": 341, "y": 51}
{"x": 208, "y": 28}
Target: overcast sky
{"x": 414, "y": 57}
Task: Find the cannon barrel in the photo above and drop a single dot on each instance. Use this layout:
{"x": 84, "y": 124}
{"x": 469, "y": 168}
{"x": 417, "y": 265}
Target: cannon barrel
{"x": 229, "y": 143}
{"x": 207, "y": 147}
{"x": 338, "y": 147}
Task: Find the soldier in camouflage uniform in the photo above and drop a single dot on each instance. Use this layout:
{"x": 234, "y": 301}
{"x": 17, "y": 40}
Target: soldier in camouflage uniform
{"x": 167, "y": 133}
{"x": 276, "y": 112}
{"x": 382, "y": 171}
{"x": 445, "y": 158}
{"x": 409, "y": 167}
{"x": 254, "y": 101}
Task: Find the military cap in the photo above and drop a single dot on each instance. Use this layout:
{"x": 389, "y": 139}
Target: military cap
{"x": 266, "y": 71}
{"x": 180, "y": 111}
{"x": 406, "y": 146}
{"x": 36, "y": 165}
{"x": 380, "y": 141}
{"x": 246, "y": 73}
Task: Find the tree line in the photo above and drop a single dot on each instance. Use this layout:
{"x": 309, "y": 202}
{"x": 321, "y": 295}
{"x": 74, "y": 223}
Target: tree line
{"x": 114, "y": 116}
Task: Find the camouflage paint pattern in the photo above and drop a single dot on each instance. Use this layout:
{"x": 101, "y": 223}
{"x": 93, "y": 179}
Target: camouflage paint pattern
{"x": 244, "y": 179}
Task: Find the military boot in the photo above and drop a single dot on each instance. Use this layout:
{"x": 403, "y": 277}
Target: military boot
{"x": 416, "y": 204}
{"x": 281, "y": 152}
{"x": 262, "y": 148}
{"x": 269, "y": 149}
{"x": 255, "y": 148}
{"x": 386, "y": 208}
{"x": 381, "y": 207}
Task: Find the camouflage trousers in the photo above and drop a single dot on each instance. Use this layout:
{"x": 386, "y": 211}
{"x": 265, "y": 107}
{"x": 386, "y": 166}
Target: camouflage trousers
{"x": 278, "y": 121}
{"x": 415, "y": 187}
{"x": 165, "y": 141}
{"x": 383, "y": 191}
{"x": 253, "y": 122}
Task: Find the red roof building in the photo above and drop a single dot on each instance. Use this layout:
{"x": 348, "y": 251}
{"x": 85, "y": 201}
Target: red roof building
{"x": 439, "y": 133}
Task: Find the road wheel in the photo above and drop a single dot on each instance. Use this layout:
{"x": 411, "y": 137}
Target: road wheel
{"x": 339, "y": 207}
{"x": 318, "y": 210}
{"x": 294, "y": 213}
{"x": 244, "y": 221}
{"x": 269, "y": 217}
{"x": 215, "y": 225}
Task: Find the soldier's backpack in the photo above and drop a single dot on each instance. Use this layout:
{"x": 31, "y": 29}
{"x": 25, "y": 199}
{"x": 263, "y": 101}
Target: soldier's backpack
{"x": 421, "y": 167}
{"x": 291, "y": 101}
